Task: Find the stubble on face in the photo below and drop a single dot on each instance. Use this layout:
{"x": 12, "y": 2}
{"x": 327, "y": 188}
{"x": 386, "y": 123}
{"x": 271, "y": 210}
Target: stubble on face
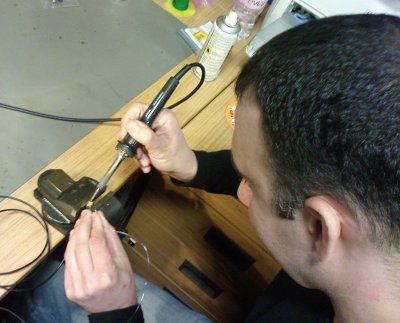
{"x": 252, "y": 158}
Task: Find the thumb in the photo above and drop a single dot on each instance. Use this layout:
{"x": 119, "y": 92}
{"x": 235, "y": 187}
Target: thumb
{"x": 142, "y": 134}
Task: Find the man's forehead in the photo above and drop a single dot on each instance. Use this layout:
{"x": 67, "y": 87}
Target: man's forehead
{"x": 248, "y": 117}
{"x": 246, "y": 138}
{"x": 249, "y": 146}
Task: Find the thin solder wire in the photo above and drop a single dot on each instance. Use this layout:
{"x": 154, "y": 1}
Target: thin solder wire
{"x": 12, "y": 313}
{"x": 140, "y": 299}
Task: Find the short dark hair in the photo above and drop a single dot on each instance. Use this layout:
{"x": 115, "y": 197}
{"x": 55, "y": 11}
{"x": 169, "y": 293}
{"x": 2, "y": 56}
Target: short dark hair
{"x": 329, "y": 91}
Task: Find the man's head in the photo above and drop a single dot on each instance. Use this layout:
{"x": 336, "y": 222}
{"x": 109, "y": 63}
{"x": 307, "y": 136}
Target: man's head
{"x": 328, "y": 97}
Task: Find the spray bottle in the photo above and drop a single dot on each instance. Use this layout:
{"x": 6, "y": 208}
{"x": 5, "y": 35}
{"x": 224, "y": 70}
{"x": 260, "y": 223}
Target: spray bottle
{"x": 219, "y": 42}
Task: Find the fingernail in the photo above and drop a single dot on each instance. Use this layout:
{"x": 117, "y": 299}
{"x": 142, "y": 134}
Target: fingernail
{"x": 85, "y": 212}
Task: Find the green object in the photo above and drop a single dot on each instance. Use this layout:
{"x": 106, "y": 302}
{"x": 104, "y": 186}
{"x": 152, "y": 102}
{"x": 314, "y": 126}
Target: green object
{"x": 180, "y": 4}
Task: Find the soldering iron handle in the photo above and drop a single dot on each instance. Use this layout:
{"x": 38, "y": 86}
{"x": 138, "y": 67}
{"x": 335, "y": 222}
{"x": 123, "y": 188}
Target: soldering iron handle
{"x": 160, "y": 100}
{"x": 128, "y": 145}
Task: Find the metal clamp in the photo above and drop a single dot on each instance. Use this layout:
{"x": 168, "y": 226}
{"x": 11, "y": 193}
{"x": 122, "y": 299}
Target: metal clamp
{"x": 63, "y": 199}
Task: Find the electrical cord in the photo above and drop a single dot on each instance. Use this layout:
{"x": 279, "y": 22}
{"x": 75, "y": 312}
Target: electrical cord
{"x": 29, "y": 277}
{"x": 57, "y": 118}
{"x": 182, "y": 72}
{"x": 37, "y": 216}
{"x": 103, "y": 120}
{"x": 41, "y": 252}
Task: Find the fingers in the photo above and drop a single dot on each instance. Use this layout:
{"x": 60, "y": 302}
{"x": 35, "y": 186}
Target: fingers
{"x": 140, "y": 132}
{"x": 78, "y": 259}
{"x": 135, "y": 112}
{"x": 143, "y": 159}
{"x": 80, "y": 253}
{"x": 115, "y": 246}
{"x": 87, "y": 249}
{"x": 98, "y": 277}
{"x": 73, "y": 280}
{"x": 98, "y": 245}
{"x": 163, "y": 145}
{"x": 131, "y": 119}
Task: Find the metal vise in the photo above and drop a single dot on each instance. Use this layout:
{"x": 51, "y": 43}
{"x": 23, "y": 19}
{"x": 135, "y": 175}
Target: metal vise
{"x": 63, "y": 200}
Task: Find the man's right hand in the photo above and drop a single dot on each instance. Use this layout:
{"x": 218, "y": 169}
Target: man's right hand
{"x": 164, "y": 146}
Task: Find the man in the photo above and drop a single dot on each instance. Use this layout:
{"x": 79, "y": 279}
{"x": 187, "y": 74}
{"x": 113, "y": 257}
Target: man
{"x": 317, "y": 146}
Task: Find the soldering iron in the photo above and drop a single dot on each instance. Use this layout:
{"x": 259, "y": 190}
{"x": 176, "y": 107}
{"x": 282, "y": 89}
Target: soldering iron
{"x": 127, "y": 146}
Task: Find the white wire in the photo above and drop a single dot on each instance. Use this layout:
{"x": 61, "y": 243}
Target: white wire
{"x": 148, "y": 264}
{"x": 11, "y": 312}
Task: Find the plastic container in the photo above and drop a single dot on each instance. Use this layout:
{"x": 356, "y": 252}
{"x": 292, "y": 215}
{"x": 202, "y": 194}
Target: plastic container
{"x": 248, "y": 12}
{"x": 220, "y": 40}
{"x": 201, "y": 3}
{"x": 180, "y": 4}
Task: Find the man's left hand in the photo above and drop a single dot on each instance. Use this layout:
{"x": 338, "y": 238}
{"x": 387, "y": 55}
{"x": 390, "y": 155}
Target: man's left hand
{"x": 98, "y": 274}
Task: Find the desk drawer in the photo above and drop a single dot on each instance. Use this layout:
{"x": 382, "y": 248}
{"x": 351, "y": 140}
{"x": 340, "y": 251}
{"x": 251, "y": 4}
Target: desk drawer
{"x": 186, "y": 239}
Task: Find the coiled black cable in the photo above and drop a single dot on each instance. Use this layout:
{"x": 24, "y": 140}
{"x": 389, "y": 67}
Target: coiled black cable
{"x": 37, "y": 216}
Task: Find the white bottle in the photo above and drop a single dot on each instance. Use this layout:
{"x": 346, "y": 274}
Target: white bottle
{"x": 219, "y": 42}
{"x": 248, "y": 11}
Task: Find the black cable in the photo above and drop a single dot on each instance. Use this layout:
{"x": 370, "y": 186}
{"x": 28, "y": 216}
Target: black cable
{"x": 41, "y": 252}
{"x": 57, "y": 118}
{"x": 44, "y": 281}
{"x": 182, "y": 72}
{"x": 38, "y": 217}
{"x": 102, "y": 120}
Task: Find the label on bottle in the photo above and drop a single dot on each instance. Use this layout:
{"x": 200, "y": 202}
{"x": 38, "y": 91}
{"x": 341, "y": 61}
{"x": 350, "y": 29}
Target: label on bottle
{"x": 254, "y": 4}
{"x": 216, "y": 49}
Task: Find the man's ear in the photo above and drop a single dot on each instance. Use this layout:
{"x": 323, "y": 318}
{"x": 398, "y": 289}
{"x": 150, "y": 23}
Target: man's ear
{"x": 324, "y": 224}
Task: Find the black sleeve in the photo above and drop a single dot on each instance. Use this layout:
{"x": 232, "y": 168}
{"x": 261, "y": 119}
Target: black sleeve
{"x": 132, "y": 314}
{"x": 215, "y": 173}
{"x": 286, "y": 301}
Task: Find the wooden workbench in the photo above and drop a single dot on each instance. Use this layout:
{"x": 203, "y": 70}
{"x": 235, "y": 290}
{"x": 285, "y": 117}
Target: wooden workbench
{"x": 191, "y": 214}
